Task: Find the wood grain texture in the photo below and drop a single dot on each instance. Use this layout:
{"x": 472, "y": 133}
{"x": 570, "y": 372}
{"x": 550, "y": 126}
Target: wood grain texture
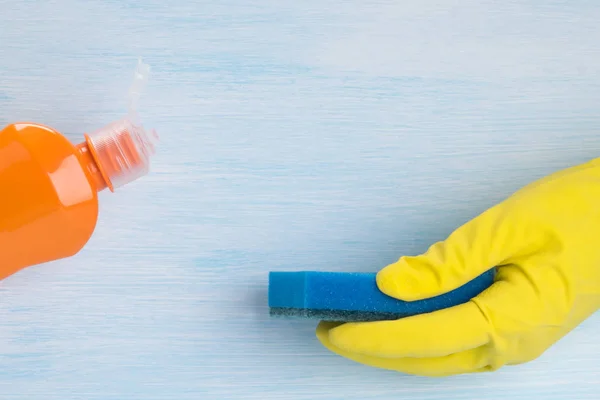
{"x": 327, "y": 135}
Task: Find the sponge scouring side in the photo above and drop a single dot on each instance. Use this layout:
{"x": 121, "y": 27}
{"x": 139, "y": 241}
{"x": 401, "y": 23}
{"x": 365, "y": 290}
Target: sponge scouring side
{"x": 351, "y": 296}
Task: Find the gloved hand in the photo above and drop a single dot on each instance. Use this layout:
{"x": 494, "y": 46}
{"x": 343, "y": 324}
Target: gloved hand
{"x": 545, "y": 242}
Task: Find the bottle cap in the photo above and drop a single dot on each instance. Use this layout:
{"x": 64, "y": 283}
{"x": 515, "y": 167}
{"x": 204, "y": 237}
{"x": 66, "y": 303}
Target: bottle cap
{"x": 123, "y": 148}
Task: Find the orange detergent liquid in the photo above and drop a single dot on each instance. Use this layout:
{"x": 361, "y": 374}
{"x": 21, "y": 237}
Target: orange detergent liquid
{"x": 49, "y": 186}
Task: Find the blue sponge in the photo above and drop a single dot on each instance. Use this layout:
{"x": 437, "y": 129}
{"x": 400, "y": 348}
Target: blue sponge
{"x": 349, "y": 296}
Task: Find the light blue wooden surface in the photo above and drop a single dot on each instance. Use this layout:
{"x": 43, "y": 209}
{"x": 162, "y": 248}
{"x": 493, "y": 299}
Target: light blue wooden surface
{"x": 327, "y": 135}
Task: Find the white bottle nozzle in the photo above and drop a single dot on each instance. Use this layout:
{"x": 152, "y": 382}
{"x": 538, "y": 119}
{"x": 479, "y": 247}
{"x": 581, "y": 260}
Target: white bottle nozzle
{"x": 123, "y": 148}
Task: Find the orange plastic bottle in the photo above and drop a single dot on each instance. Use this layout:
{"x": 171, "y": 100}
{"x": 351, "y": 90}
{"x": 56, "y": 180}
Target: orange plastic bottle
{"x": 49, "y": 186}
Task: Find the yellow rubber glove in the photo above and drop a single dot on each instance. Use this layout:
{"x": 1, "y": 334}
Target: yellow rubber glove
{"x": 545, "y": 241}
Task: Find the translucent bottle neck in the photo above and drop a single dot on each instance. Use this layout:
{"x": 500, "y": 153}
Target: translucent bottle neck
{"x": 121, "y": 151}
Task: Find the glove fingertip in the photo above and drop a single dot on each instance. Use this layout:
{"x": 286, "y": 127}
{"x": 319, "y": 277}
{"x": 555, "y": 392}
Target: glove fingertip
{"x": 396, "y": 281}
{"x": 345, "y": 336}
{"x": 330, "y": 333}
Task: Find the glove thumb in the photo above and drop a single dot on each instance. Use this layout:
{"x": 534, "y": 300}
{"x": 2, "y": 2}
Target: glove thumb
{"x": 482, "y": 243}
